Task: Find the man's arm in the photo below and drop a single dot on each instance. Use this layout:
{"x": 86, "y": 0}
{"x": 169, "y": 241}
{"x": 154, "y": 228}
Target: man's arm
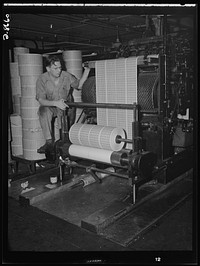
{"x": 84, "y": 77}
{"x": 60, "y": 103}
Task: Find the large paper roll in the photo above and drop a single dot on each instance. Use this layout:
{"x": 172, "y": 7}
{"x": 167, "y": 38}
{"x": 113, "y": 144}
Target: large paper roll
{"x": 15, "y": 85}
{"x": 73, "y": 63}
{"x": 28, "y": 85}
{"x": 15, "y": 120}
{"x": 32, "y": 134}
{"x": 30, "y": 70}
{"x": 33, "y": 155}
{"x": 96, "y": 136}
{"x": 30, "y": 149}
{"x": 90, "y": 153}
{"x": 18, "y": 51}
{"x": 29, "y": 102}
{"x": 16, "y": 131}
{"x": 29, "y": 113}
{"x": 33, "y": 123}
{"x": 14, "y": 70}
{"x": 30, "y": 64}
{"x": 30, "y": 59}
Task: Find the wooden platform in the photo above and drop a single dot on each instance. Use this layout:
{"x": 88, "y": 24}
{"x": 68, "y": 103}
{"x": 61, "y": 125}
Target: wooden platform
{"x": 103, "y": 208}
{"x": 149, "y": 214}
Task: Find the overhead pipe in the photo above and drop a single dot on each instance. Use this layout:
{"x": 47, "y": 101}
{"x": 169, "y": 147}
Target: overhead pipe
{"x": 76, "y": 43}
{"x": 91, "y": 22}
{"x": 25, "y": 39}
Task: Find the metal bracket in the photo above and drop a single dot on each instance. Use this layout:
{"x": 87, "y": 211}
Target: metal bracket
{"x": 91, "y": 171}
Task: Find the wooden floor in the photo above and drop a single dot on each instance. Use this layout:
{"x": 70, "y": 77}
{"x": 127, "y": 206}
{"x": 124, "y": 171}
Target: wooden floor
{"x": 32, "y": 235}
{"x": 32, "y": 230}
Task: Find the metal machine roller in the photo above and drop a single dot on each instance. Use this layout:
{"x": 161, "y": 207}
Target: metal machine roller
{"x": 147, "y": 90}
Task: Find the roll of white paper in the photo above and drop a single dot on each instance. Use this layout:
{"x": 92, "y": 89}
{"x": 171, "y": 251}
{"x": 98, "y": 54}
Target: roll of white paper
{"x": 90, "y": 153}
{"x": 96, "y": 136}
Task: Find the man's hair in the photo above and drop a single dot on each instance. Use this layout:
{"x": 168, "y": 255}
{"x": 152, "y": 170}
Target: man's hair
{"x": 51, "y": 59}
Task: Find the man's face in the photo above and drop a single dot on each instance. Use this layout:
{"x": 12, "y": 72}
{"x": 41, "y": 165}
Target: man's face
{"x": 55, "y": 69}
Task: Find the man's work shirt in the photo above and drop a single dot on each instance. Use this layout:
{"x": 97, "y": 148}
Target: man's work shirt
{"x": 46, "y": 89}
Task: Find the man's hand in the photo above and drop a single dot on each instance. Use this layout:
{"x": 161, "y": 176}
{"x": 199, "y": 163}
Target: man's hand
{"x": 61, "y": 104}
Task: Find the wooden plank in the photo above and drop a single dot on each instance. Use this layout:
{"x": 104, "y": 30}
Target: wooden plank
{"x": 102, "y": 218}
{"x": 141, "y": 219}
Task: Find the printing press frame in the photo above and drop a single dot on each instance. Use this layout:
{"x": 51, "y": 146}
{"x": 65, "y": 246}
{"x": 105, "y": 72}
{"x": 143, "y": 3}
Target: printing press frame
{"x": 162, "y": 138}
{"x": 143, "y": 166}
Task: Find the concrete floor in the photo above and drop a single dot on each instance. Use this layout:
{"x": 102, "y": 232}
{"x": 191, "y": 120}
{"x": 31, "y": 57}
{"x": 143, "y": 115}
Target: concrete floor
{"x": 38, "y": 234}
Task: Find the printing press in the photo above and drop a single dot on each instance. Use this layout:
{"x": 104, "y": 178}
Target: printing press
{"x": 124, "y": 155}
{"x": 159, "y": 148}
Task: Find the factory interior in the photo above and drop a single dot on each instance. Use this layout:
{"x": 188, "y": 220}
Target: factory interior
{"x": 120, "y": 179}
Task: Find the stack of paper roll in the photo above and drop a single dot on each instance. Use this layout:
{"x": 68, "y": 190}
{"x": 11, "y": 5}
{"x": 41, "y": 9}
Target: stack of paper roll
{"x": 15, "y": 77}
{"x": 73, "y": 63}
{"x": 16, "y": 133}
{"x": 30, "y": 68}
{"x": 32, "y": 133}
{"x": 19, "y": 50}
{"x": 28, "y": 85}
{"x": 15, "y": 86}
{"x": 30, "y": 64}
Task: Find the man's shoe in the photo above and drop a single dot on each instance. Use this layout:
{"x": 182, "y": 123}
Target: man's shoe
{"x": 46, "y": 147}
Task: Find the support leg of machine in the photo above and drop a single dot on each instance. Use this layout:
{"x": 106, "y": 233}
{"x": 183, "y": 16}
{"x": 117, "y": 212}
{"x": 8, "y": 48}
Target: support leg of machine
{"x": 16, "y": 167}
{"x": 32, "y": 167}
